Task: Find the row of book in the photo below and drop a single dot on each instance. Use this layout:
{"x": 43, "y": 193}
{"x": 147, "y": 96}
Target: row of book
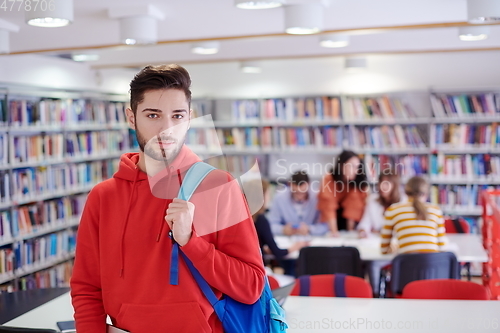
{"x": 378, "y": 137}
{"x": 31, "y": 183}
{"x": 457, "y": 195}
{"x": 55, "y": 277}
{"x": 3, "y": 112}
{"x": 39, "y": 217}
{"x": 6, "y": 262}
{"x": 452, "y": 105}
{"x": 385, "y": 137}
{"x": 55, "y": 147}
{"x": 320, "y": 108}
{"x": 376, "y": 108}
{"x": 63, "y": 112}
{"x": 38, "y": 251}
{"x": 4, "y": 152}
{"x": 481, "y": 166}
{"x": 237, "y": 165}
{"x": 406, "y": 166}
{"x": 462, "y": 135}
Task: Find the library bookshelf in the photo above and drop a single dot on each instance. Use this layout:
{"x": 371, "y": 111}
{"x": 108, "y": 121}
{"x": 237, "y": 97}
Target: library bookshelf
{"x": 54, "y": 147}
{"x": 452, "y": 138}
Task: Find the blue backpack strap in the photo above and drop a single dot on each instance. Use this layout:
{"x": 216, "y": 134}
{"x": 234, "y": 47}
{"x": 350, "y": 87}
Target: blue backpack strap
{"x": 207, "y": 291}
{"x": 174, "y": 263}
{"x": 193, "y": 178}
{"x": 305, "y": 285}
{"x": 339, "y": 285}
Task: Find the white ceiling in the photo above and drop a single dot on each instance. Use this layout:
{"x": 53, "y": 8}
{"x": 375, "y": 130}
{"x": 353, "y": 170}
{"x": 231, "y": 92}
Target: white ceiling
{"x": 254, "y": 34}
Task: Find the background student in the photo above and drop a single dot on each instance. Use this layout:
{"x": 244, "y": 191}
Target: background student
{"x": 418, "y": 225}
{"x": 293, "y": 210}
{"x": 266, "y": 238}
{"x": 387, "y": 193}
{"x": 343, "y": 192}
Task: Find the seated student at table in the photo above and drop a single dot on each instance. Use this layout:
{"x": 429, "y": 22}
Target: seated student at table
{"x": 388, "y": 193}
{"x": 343, "y": 192}
{"x": 293, "y": 210}
{"x": 264, "y": 233}
{"x": 417, "y": 225}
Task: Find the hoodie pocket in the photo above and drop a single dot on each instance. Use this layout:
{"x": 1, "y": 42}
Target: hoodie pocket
{"x": 175, "y": 317}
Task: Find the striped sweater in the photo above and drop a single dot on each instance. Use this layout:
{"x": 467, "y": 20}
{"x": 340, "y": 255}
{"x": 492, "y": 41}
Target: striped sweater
{"x": 413, "y": 235}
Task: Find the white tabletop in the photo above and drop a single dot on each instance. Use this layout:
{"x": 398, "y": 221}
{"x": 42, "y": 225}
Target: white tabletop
{"x": 46, "y": 315}
{"x": 334, "y": 314}
{"x": 467, "y": 247}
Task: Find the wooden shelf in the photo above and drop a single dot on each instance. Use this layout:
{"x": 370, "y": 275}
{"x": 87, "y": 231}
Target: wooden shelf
{"x": 30, "y": 130}
{"x": 464, "y": 181}
{"x": 59, "y": 194}
{"x": 22, "y": 271}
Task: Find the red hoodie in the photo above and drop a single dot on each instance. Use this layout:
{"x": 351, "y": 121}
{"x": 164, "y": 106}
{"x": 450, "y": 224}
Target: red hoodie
{"x": 123, "y": 252}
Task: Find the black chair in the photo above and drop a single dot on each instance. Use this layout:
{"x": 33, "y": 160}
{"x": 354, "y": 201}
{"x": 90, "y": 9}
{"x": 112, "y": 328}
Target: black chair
{"x": 408, "y": 267}
{"x": 12, "y": 329}
{"x": 329, "y": 260}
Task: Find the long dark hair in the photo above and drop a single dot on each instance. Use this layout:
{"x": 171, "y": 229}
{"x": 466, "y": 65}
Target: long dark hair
{"x": 389, "y": 174}
{"x": 337, "y": 172}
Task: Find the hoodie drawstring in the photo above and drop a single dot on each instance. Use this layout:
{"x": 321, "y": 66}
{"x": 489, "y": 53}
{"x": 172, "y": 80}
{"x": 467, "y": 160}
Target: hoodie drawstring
{"x": 174, "y": 258}
{"x": 162, "y": 222}
{"x": 126, "y": 222}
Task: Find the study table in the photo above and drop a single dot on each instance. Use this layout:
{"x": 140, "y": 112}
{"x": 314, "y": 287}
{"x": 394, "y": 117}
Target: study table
{"x": 335, "y": 314}
{"x": 467, "y": 247}
{"x": 37, "y": 308}
{"x": 332, "y": 314}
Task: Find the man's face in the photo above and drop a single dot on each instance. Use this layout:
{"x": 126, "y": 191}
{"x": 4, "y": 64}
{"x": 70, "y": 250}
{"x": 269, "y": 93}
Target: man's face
{"x": 161, "y": 123}
{"x": 299, "y": 191}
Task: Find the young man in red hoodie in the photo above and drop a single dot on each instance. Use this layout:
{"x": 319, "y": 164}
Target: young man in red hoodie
{"x": 123, "y": 254}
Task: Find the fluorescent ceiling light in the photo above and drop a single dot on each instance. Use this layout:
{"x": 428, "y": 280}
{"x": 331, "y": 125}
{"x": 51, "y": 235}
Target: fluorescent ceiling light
{"x": 476, "y": 33}
{"x": 250, "y": 67}
{"x": 258, "y": 4}
{"x": 85, "y": 57}
{"x": 334, "y": 40}
{"x": 138, "y": 30}
{"x": 50, "y": 14}
{"x": 138, "y": 23}
{"x": 483, "y": 11}
{"x": 205, "y": 47}
{"x": 304, "y": 19}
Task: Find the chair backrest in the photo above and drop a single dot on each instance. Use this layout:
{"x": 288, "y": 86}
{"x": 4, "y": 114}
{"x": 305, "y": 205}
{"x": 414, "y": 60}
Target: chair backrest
{"x": 273, "y": 283}
{"x": 332, "y": 285}
{"x": 445, "y": 289}
{"x": 329, "y": 260}
{"x": 12, "y": 329}
{"x": 456, "y": 226}
{"x": 408, "y": 267}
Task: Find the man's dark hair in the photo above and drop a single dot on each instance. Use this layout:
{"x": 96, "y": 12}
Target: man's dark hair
{"x": 299, "y": 178}
{"x": 159, "y": 77}
{"x": 337, "y": 171}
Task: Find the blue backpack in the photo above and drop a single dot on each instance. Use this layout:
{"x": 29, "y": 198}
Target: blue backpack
{"x": 264, "y": 316}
